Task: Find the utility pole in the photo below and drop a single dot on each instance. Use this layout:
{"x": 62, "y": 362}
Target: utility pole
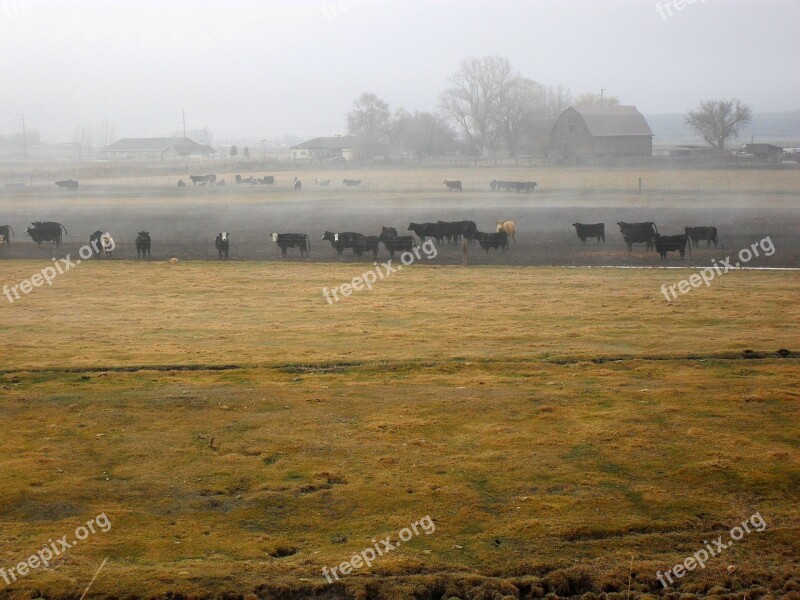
{"x": 602, "y": 90}
{"x": 24, "y": 138}
{"x": 183, "y": 114}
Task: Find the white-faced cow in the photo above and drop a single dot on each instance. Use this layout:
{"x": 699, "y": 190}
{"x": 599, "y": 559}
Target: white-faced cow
{"x": 222, "y": 244}
{"x": 292, "y": 240}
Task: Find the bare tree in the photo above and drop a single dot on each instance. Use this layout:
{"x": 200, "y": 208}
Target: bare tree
{"x": 521, "y": 100}
{"x": 556, "y": 101}
{"x": 719, "y": 120}
{"x": 472, "y": 99}
{"x": 422, "y": 133}
{"x": 105, "y": 134}
{"x": 82, "y": 137}
{"x": 589, "y": 99}
{"x": 369, "y": 119}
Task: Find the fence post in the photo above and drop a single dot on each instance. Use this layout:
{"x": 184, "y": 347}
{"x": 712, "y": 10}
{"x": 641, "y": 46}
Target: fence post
{"x": 640, "y": 185}
{"x": 464, "y": 252}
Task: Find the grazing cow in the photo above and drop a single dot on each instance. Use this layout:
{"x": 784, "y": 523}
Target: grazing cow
{"x": 698, "y": 234}
{"x": 638, "y": 233}
{"x": 67, "y": 184}
{"x": 94, "y": 243}
{"x": 340, "y": 241}
{"x": 492, "y": 240}
{"x": 496, "y": 185}
{"x": 351, "y": 182}
{"x": 267, "y": 180}
{"x": 292, "y": 240}
{"x": 222, "y": 244}
{"x": 107, "y": 243}
{"x": 323, "y": 182}
{"x": 238, "y": 179}
{"x": 45, "y": 231}
{"x": 672, "y": 243}
{"x": 6, "y": 232}
{"x": 595, "y": 230}
{"x": 522, "y": 186}
{"x": 143, "y": 244}
{"x": 424, "y": 230}
{"x": 203, "y": 179}
{"x": 181, "y": 183}
{"x": 451, "y": 232}
{"x": 297, "y": 184}
{"x": 453, "y": 185}
{"x": 395, "y": 243}
{"x": 509, "y": 227}
{"x": 366, "y": 243}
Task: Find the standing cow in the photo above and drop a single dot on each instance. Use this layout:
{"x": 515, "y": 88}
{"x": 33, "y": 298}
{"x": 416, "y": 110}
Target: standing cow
{"x": 143, "y": 244}
{"x": 45, "y": 231}
{"x": 509, "y": 227}
{"x": 222, "y": 244}
{"x": 592, "y": 230}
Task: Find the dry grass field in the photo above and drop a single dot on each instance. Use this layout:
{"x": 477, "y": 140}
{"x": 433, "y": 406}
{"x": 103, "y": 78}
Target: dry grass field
{"x": 569, "y": 432}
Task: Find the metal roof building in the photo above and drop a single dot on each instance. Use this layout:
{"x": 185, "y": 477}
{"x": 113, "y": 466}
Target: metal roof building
{"x": 595, "y": 132}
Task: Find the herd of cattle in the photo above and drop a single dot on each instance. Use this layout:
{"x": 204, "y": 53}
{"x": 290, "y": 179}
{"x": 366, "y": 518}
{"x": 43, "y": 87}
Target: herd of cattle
{"x": 441, "y": 231}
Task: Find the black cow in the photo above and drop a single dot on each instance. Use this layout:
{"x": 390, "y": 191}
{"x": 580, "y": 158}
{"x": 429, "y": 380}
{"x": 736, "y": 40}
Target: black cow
{"x": 45, "y": 231}
{"x": 297, "y": 184}
{"x": 595, "y": 230}
{"x": 521, "y": 186}
{"x": 698, "y": 234}
{"x": 67, "y": 184}
{"x": 453, "y": 185}
{"x": 672, "y": 243}
{"x": 181, "y": 183}
{"x": 94, "y": 243}
{"x": 340, "y": 241}
{"x": 292, "y": 240}
{"x": 395, "y": 243}
{"x": 267, "y": 180}
{"x": 492, "y": 240}
{"x": 366, "y": 243}
{"x": 223, "y": 244}
{"x": 424, "y": 230}
{"x": 351, "y": 182}
{"x": 450, "y": 231}
{"x": 496, "y": 185}
{"x": 4, "y": 231}
{"x": 638, "y": 233}
{"x": 465, "y": 228}
{"x": 143, "y": 244}
{"x": 203, "y": 179}
{"x": 388, "y": 232}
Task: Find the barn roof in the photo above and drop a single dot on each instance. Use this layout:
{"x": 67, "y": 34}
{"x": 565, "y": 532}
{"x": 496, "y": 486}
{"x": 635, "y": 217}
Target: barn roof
{"x": 338, "y": 142}
{"x": 607, "y": 121}
{"x": 180, "y": 145}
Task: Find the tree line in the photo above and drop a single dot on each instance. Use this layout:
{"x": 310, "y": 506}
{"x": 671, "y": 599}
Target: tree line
{"x": 489, "y": 107}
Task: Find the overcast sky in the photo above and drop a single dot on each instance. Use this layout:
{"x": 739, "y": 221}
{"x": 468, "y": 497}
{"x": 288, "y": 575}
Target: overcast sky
{"x": 261, "y": 69}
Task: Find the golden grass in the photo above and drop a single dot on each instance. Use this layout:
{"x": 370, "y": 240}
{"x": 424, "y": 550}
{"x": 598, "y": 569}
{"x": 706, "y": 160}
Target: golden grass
{"x": 541, "y": 476}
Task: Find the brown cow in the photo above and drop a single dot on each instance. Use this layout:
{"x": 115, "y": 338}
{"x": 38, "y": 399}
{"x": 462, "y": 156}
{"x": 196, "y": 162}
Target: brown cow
{"x": 509, "y": 228}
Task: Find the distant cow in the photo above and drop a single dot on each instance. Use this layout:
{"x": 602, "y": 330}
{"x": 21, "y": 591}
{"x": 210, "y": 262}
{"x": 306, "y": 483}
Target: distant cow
{"x": 203, "y": 179}
{"x": 292, "y": 240}
{"x": 6, "y": 232}
{"x": 143, "y": 244}
{"x": 351, "y": 182}
{"x": 222, "y": 243}
{"x": 672, "y": 243}
{"x": 297, "y": 184}
{"x": 593, "y": 230}
{"x": 94, "y": 243}
{"x": 453, "y": 185}
{"x": 45, "y": 231}
{"x": 638, "y": 233}
{"x": 395, "y": 243}
{"x": 340, "y": 241}
{"x": 699, "y": 234}
{"x": 509, "y": 227}
{"x": 323, "y": 182}
{"x": 267, "y": 180}
{"x": 366, "y": 243}
{"x": 181, "y": 183}
{"x": 107, "y": 244}
{"x": 67, "y": 184}
{"x": 497, "y": 240}
{"x": 496, "y": 185}
{"x": 424, "y": 230}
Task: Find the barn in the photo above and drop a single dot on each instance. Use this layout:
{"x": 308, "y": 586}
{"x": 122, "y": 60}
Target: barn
{"x": 155, "y": 149}
{"x": 339, "y": 148}
{"x": 596, "y": 132}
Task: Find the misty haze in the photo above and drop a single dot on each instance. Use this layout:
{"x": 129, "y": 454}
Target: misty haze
{"x": 371, "y": 299}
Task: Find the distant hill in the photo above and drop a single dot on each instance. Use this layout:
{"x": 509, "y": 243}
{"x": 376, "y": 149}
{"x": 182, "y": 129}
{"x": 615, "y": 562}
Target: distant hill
{"x": 781, "y": 128}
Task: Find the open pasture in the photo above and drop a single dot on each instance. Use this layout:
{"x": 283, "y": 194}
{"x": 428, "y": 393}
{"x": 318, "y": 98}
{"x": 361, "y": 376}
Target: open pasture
{"x": 568, "y": 431}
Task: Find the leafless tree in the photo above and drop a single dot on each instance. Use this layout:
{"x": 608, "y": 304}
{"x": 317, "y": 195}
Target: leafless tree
{"x": 422, "y": 133}
{"x": 82, "y": 137}
{"x": 719, "y": 120}
{"x": 369, "y": 119}
{"x": 521, "y": 100}
{"x": 472, "y": 99}
{"x": 556, "y": 101}
{"x": 589, "y": 99}
{"x": 105, "y": 134}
